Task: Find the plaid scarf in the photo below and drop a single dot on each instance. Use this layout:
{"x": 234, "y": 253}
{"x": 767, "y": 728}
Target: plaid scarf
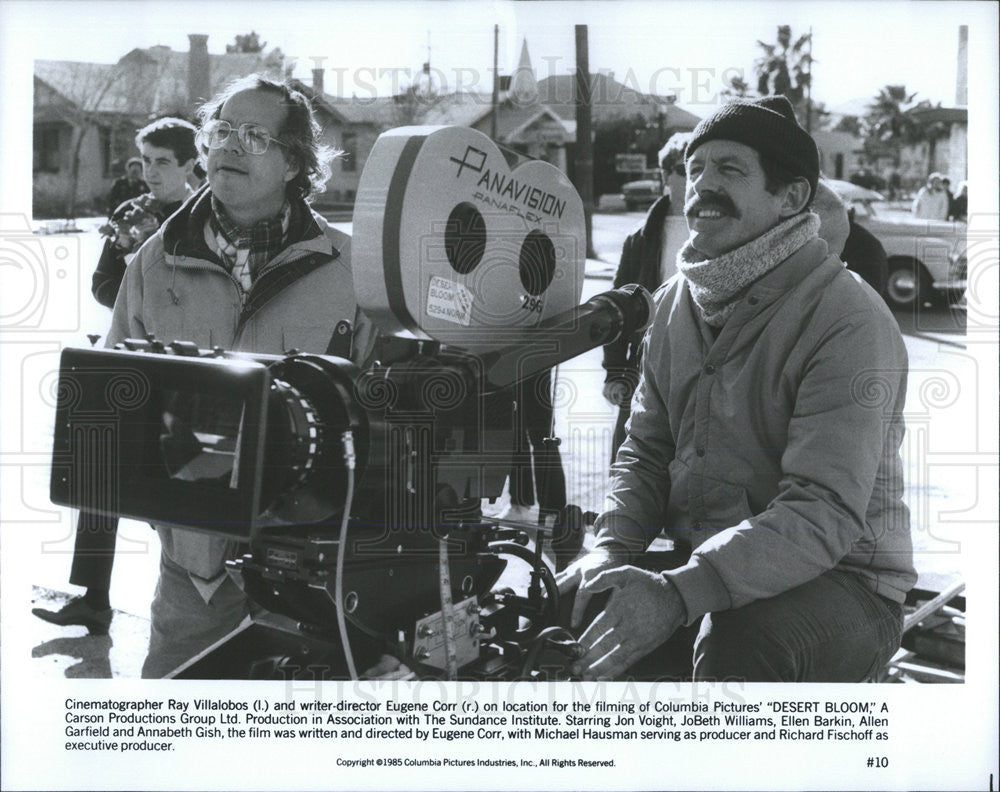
{"x": 717, "y": 284}
{"x": 245, "y": 251}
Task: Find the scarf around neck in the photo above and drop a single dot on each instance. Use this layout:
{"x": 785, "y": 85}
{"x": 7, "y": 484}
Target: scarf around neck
{"x": 716, "y": 284}
{"x": 246, "y": 250}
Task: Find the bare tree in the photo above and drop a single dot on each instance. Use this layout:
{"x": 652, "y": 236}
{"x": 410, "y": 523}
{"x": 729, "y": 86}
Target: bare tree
{"x": 84, "y": 97}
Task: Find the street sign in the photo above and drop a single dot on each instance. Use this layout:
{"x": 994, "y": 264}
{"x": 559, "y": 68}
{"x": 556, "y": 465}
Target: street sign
{"x": 630, "y": 163}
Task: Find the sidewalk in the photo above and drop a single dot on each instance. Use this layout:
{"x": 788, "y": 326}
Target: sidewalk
{"x": 72, "y": 652}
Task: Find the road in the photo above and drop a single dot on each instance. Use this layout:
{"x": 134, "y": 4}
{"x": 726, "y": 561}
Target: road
{"x": 944, "y": 478}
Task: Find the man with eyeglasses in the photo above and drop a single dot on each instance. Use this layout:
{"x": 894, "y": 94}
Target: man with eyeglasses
{"x": 244, "y": 265}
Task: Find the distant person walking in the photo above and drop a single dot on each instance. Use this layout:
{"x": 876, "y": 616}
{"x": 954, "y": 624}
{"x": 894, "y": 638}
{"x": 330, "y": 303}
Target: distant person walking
{"x": 931, "y": 202}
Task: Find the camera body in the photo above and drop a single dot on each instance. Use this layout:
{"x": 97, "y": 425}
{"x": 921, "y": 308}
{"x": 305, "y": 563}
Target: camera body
{"x": 355, "y": 493}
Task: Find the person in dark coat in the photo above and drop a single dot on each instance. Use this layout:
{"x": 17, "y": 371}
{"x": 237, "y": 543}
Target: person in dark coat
{"x": 640, "y": 263}
{"x": 864, "y": 254}
{"x": 856, "y": 246}
{"x": 128, "y": 186}
{"x": 168, "y": 160}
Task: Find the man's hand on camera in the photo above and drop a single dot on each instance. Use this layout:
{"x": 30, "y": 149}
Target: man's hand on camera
{"x": 579, "y": 574}
{"x": 644, "y": 611}
{"x": 617, "y": 392}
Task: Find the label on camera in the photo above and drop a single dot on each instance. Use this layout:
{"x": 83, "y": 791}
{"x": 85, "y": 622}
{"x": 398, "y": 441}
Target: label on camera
{"x": 449, "y": 301}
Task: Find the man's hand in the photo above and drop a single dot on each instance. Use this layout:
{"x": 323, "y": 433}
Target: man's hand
{"x": 579, "y": 574}
{"x": 617, "y": 392}
{"x": 644, "y": 611}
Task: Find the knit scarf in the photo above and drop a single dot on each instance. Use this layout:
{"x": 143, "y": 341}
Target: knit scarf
{"x": 717, "y": 284}
{"x": 245, "y": 250}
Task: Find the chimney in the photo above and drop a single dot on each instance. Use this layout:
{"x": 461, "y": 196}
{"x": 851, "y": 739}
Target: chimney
{"x": 318, "y": 80}
{"x": 962, "y": 77}
{"x": 199, "y": 70}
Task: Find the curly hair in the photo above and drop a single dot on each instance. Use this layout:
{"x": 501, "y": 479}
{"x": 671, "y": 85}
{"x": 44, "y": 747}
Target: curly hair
{"x": 300, "y": 133}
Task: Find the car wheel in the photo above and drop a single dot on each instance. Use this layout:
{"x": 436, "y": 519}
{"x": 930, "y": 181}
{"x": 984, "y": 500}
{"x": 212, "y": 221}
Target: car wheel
{"x": 632, "y": 206}
{"x": 908, "y": 285}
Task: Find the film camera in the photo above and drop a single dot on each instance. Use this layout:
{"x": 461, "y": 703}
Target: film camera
{"x": 354, "y": 493}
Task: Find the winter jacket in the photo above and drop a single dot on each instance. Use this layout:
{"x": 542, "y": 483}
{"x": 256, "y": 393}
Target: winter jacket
{"x": 864, "y": 254}
{"x": 107, "y": 278}
{"x": 176, "y": 288}
{"x": 772, "y": 449}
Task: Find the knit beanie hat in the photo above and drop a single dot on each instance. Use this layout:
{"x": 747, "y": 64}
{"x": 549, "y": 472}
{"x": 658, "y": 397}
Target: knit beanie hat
{"x": 768, "y": 126}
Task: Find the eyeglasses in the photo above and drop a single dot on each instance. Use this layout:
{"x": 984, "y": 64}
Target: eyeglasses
{"x": 254, "y": 138}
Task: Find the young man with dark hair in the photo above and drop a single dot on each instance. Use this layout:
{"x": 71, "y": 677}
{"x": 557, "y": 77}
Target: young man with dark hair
{"x": 168, "y": 157}
{"x": 764, "y": 441}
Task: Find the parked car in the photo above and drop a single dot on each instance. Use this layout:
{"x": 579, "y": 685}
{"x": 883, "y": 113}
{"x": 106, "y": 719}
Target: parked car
{"x": 927, "y": 258}
{"x": 642, "y": 193}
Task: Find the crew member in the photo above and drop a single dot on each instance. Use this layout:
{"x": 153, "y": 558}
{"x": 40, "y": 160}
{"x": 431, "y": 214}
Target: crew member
{"x": 647, "y": 258}
{"x": 128, "y": 186}
{"x": 764, "y": 439}
{"x": 168, "y": 160}
{"x": 244, "y": 265}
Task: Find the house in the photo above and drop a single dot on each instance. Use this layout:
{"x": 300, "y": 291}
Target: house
{"x": 840, "y": 153}
{"x": 611, "y": 100}
{"x": 522, "y": 121}
{"x": 86, "y": 114}
{"x": 352, "y": 125}
{"x": 946, "y": 149}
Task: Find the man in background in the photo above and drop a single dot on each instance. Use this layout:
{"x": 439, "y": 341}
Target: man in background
{"x": 647, "y": 258}
{"x": 128, "y": 186}
{"x": 168, "y": 160}
{"x": 931, "y": 202}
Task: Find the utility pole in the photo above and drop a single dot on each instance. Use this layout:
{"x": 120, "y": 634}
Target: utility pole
{"x": 584, "y": 142}
{"x": 809, "y": 104}
{"x": 496, "y": 83}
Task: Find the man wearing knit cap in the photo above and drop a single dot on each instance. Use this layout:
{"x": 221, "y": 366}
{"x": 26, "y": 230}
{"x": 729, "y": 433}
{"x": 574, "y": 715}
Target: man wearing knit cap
{"x": 763, "y": 443}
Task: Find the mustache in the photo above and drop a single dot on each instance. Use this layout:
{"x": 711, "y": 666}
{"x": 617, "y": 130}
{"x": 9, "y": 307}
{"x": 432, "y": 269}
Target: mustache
{"x": 717, "y": 201}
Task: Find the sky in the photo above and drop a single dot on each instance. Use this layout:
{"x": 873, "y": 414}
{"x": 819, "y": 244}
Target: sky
{"x": 662, "y": 47}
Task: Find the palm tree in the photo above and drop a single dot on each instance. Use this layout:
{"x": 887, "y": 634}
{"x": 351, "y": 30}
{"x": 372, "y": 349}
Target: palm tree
{"x": 888, "y": 122}
{"x": 785, "y": 68}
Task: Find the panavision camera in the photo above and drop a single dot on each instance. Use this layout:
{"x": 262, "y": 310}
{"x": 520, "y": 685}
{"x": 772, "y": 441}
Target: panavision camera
{"x": 354, "y": 493}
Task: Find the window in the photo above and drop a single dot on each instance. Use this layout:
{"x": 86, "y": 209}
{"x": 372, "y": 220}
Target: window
{"x": 47, "y": 153}
{"x": 349, "y": 162}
